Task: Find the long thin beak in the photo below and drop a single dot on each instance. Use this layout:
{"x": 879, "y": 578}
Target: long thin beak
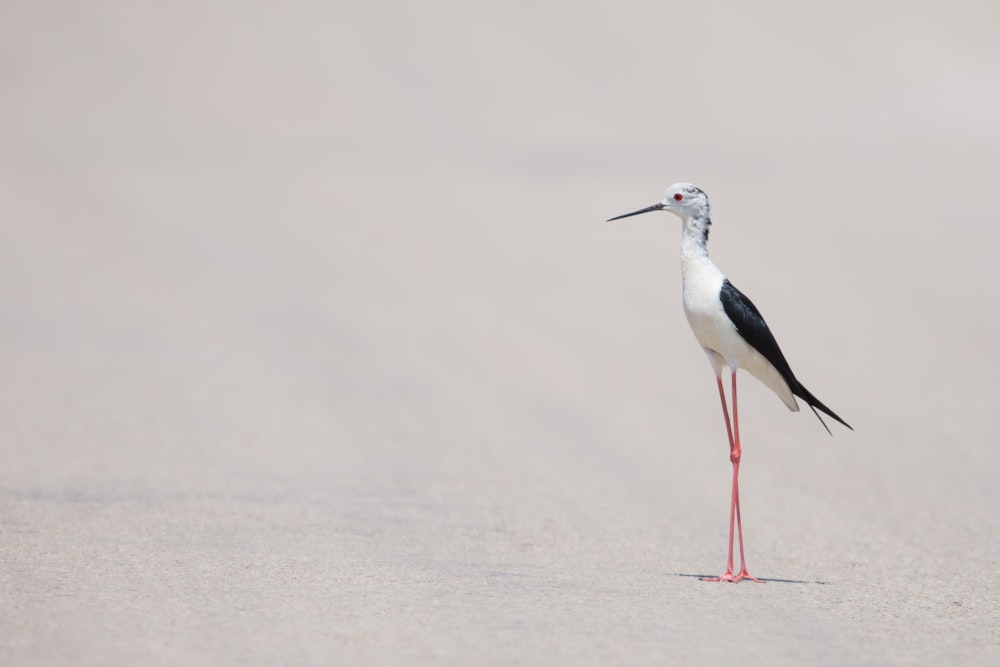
{"x": 654, "y": 207}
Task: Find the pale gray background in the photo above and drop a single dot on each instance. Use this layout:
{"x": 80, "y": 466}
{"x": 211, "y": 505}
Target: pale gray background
{"x": 315, "y": 347}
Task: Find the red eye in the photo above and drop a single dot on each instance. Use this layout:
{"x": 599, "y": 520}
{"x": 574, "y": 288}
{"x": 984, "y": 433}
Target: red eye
{"x": 678, "y": 197}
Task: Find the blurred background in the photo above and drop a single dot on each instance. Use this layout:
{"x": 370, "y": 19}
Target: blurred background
{"x": 314, "y": 342}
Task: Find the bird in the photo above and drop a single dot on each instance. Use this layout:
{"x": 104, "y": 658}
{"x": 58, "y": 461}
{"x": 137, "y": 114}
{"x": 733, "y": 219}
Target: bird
{"x": 734, "y": 335}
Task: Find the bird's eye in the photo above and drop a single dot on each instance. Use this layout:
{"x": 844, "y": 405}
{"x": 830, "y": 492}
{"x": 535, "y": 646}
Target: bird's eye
{"x": 678, "y": 197}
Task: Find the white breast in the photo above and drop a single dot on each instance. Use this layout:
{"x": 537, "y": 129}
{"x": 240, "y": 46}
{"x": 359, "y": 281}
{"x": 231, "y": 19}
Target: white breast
{"x": 702, "y": 282}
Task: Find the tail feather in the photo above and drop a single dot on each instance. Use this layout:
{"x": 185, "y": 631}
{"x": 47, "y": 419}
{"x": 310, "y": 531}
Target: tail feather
{"x": 814, "y": 404}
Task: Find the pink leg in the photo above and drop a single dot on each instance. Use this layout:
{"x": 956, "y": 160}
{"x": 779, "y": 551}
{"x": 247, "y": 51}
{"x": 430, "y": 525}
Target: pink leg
{"x": 735, "y": 520}
{"x": 735, "y": 456}
{"x": 728, "y": 575}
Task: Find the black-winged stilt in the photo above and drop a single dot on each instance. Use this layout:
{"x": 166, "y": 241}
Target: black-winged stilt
{"x": 732, "y": 332}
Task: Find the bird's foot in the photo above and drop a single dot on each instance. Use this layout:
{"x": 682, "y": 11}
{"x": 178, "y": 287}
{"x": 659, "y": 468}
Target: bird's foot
{"x": 734, "y": 578}
{"x": 745, "y": 575}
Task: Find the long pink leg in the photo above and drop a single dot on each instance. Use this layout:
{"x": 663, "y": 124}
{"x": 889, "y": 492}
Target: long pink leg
{"x": 728, "y": 575}
{"x": 735, "y": 456}
{"x": 735, "y": 520}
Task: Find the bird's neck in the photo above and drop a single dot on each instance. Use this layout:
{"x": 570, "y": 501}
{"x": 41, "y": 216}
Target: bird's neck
{"x": 694, "y": 236}
{"x": 694, "y": 251}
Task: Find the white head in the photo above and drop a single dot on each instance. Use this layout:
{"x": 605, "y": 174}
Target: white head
{"x": 685, "y": 200}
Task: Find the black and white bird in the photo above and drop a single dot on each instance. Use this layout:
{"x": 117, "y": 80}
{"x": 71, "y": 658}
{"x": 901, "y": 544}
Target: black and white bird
{"x": 733, "y": 334}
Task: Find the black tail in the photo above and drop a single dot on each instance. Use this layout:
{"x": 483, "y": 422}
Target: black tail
{"x": 814, "y": 403}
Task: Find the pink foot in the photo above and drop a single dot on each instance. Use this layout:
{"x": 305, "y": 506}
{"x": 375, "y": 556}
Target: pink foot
{"x": 746, "y": 575}
{"x": 729, "y": 576}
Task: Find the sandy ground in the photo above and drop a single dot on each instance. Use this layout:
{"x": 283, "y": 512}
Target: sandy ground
{"x": 315, "y": 347}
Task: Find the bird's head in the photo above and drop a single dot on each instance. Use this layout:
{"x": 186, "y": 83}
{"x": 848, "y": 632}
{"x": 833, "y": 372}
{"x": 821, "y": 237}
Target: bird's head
{"x": 684, "y": 200}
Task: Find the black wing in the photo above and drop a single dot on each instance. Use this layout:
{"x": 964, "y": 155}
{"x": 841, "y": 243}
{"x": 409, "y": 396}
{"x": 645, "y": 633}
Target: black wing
{"x": 751, "y": 326}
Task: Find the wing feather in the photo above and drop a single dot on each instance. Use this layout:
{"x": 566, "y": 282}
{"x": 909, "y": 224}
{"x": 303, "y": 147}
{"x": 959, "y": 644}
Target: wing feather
{"x": 751, "y": 326}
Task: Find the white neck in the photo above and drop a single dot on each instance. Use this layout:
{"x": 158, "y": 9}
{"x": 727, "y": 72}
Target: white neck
{"x": 696, "y": 267}
{"x": 694, "y": 235}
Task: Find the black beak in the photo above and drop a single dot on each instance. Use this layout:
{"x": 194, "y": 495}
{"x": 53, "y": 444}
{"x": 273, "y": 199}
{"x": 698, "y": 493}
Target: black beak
{"x": 654, "y": 207}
